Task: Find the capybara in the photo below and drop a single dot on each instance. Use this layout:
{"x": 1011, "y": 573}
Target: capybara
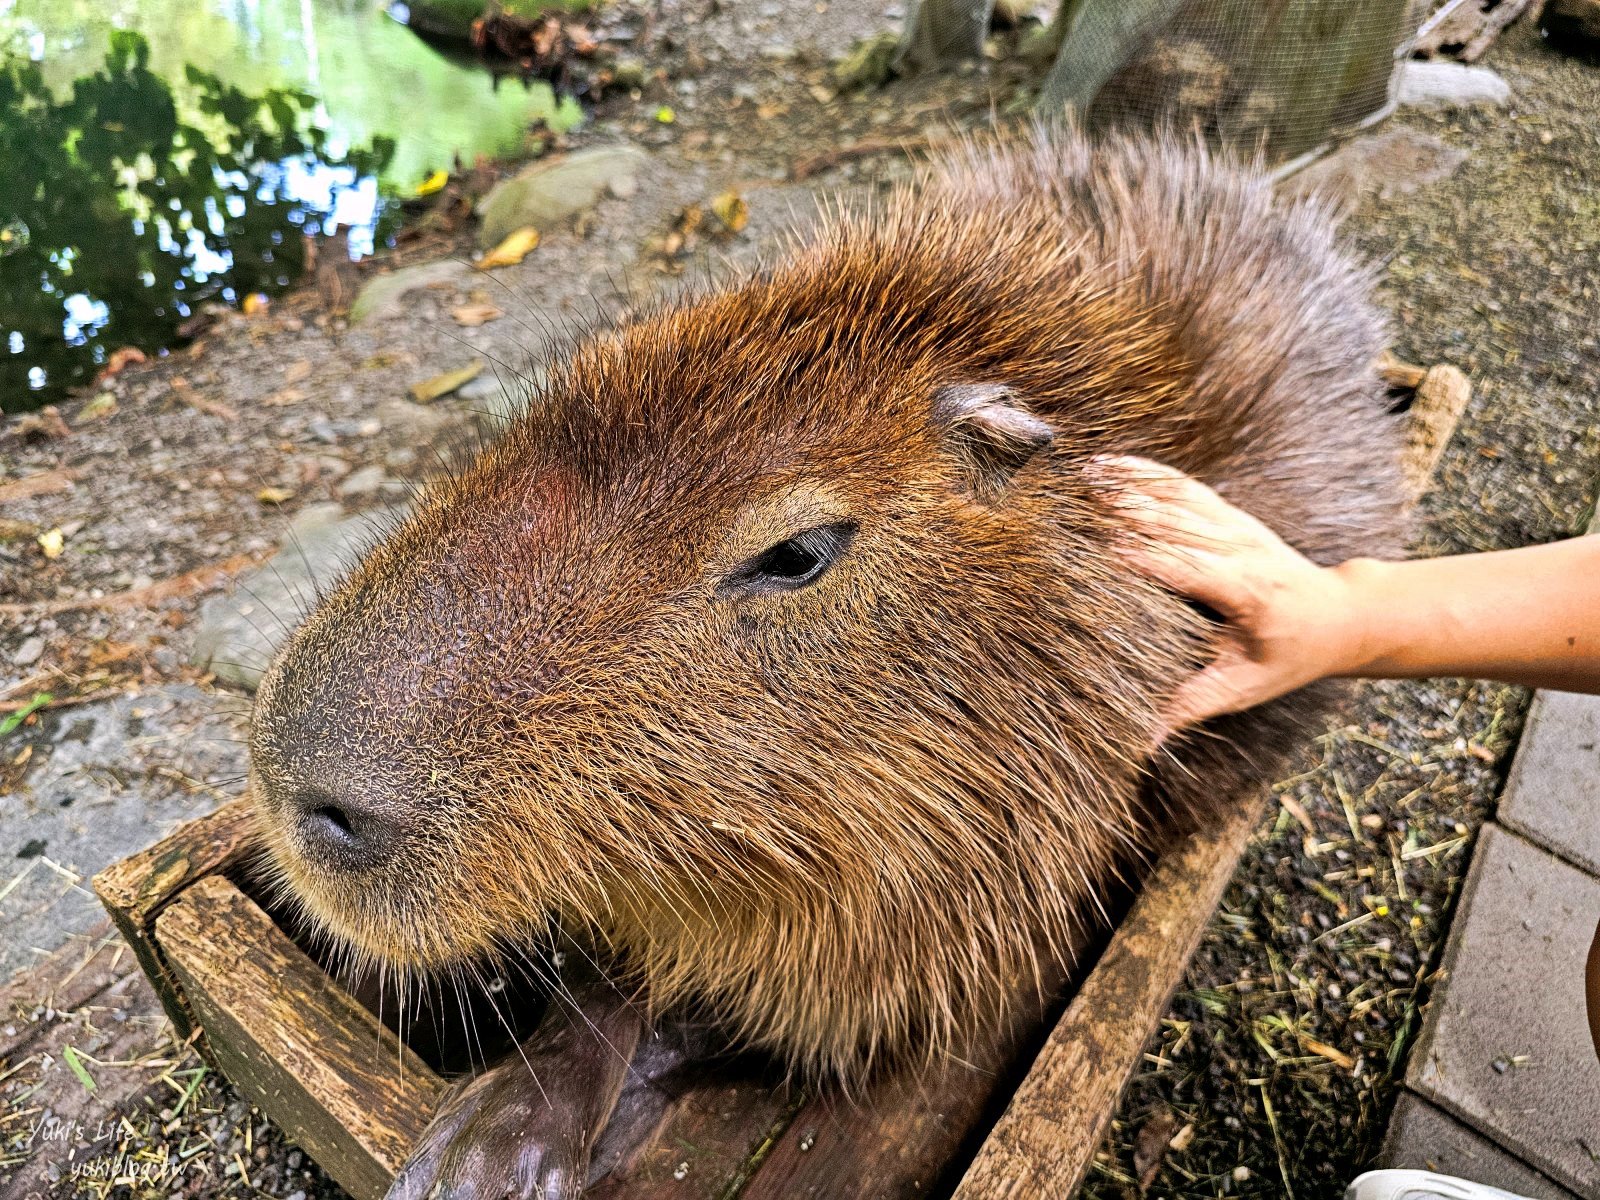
{"x": 782, "y": 652}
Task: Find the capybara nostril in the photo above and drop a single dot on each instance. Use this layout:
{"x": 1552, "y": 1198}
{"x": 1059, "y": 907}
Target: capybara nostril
{"x": 339, "y": 834}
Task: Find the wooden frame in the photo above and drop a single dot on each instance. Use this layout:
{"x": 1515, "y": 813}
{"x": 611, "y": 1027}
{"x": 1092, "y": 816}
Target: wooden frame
{"x": 321, "y": 1065}
{"x": 1023, "y": 1120}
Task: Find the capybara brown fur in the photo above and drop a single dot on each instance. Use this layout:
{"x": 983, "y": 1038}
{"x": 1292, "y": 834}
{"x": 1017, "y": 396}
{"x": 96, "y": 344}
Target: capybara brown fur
{"x": 783, "y": 651}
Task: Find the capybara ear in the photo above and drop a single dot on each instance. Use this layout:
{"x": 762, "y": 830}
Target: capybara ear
{"x": 988, "y": 427}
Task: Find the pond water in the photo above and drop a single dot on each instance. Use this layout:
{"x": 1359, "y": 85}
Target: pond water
{"x": 161, "y": 154}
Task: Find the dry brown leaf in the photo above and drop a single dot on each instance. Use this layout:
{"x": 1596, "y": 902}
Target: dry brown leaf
{"x": 40, "y": 483}
{"x": 123, "y": 356}
{"x": 1150, "y": 1147}
{"x": 288, "y": 395}
{"x": 473, "y": 315}
{"x": 45, "y": 423}
{"x": 296, "y": 371}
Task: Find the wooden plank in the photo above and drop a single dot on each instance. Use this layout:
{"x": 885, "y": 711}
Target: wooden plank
{"x": 711, "y": 1139}
{"x": 1441, "y": 398}
{"x": 1044, "y": 1142}
{"x": 91, "y": 998}
{"x": 909, "y": 1135}
{"x": 311, "y": 1057}
{"x": 136, "y": 889}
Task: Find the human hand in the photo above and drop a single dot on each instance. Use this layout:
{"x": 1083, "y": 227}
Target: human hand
{"x": 1287, "y": 621}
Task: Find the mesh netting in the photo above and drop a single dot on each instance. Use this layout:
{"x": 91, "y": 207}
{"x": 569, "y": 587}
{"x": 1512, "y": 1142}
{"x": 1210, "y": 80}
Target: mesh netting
{"x": 1285, "y": 76}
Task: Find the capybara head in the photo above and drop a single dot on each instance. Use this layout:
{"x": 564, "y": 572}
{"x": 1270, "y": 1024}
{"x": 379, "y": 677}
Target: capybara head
{"x": 782, "y": 648}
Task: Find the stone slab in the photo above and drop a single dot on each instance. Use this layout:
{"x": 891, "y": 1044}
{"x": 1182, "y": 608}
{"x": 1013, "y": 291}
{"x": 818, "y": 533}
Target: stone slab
{"x": 1505, "y": 1046}
{"x": 104, "y": 779}
{"x": 1553, "y": 794}
{"x": 239, "y": 632}
{"x": 1422, "y": 1137}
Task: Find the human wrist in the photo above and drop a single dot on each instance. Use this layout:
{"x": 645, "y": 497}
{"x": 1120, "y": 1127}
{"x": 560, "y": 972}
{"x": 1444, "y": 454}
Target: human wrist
{"x": 1363, "y": 637}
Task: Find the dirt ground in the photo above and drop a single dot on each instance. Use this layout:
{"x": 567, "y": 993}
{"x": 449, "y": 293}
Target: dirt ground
{"x": 1284, "y": 1049}
{"x": 1280, "y": 1056}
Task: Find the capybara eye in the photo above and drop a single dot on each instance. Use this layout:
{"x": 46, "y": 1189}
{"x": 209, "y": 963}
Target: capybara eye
{"x": 794, "y": 562}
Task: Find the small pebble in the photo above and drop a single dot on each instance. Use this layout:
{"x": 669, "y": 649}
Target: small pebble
{"x": 29, "y": 652}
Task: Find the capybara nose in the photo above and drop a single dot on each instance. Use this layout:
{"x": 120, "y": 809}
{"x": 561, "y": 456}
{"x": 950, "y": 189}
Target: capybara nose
{"x": 341, "y": 834}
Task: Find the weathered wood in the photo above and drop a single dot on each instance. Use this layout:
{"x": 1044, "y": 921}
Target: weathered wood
{"x": 300, "y": 1047}
{"x": 90, "y": 996}
{"x": 901, "y": 1138}
{"x": 710, "y": 1142}
{"x": 136, "y": 889}
{"x": 1407, "y": 377}
{"x": 1435, "y": 411}
{"x": 1044, "y": 1142}
{"x": 1465, "y": 29}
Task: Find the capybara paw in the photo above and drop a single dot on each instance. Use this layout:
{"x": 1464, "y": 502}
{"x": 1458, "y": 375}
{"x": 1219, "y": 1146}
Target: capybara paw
{"x": 493, "y": 1143}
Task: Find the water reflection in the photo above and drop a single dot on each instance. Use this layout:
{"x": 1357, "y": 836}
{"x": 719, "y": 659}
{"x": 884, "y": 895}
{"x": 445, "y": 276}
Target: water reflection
{"x": 148, "y": 178}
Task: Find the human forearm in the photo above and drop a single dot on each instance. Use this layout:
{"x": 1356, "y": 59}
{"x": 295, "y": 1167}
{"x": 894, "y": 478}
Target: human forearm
{"x": 1529, "y": 616}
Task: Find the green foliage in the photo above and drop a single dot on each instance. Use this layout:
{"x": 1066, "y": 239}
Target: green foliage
{"x": 113, "y": 199}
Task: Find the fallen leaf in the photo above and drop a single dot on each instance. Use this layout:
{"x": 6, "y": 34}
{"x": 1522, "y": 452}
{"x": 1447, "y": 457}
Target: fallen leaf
{"x": 213, "y": 408}
{"x": 430, "y": 390}
{"x": 255, "y": 302}
{"x": 52, "y": 542}
{"x": 433, "y": 183}
{"x": 123, "y": 356}
{"x": 100, "y": 407}
{"x": 1182, "y": 1140}
{"x": 512, "y": 249}
{"x": 40, "y": 483}
{"x": 26, "y": 710}
{"x": 296, "y": 371}
{"x": 732, "y": 211}
{"x": 473, "y": 315}
{"x": 288, "y": 395}
{"x": 1150, "y": 1147}
{"x": 274, "y": 495}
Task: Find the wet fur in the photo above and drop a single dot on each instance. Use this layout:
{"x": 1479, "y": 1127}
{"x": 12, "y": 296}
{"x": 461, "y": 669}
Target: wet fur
{"x": 847, "y": 821}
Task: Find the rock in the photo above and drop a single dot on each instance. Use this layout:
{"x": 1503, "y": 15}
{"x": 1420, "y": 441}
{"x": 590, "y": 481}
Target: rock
{"x": 76, "y": 795}
{"x": 1442, "y": 85}
{"x": 629, "y": 73}
{"x": 1572, "y": 24}
{"x": 381, "y": 297}
{"x": 364, "y": 482}
{"x": 1392, "y": 162}
{"x": 237, "y": 635}
{"x": 869, "y": 63}
{"x": 496, "y": 399}
{"x": 416, "y": 423}
{"x": 548, "y": 192}
{"x": 30, "y": 652}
